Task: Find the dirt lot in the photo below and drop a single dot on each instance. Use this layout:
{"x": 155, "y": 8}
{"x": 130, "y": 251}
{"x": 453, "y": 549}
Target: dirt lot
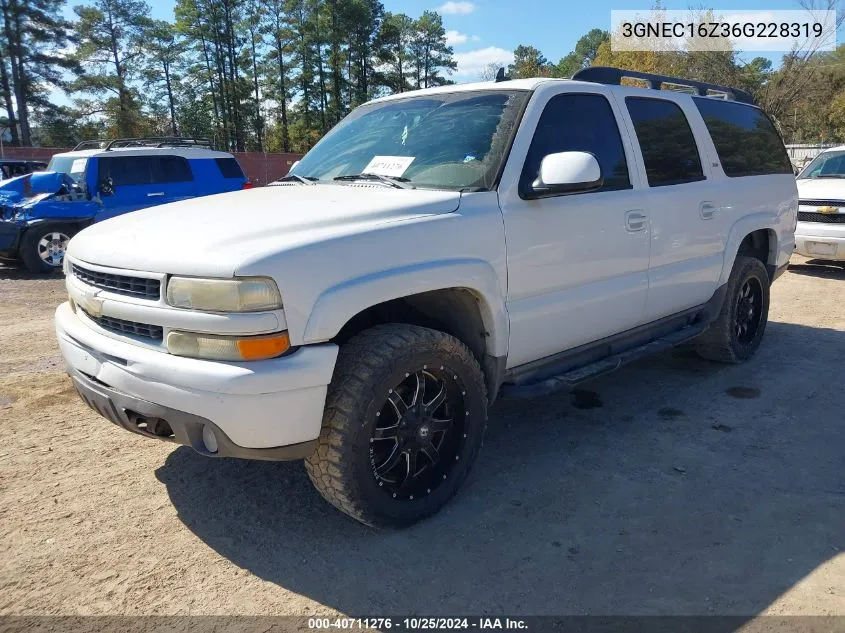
{"x": 674, "y": 486}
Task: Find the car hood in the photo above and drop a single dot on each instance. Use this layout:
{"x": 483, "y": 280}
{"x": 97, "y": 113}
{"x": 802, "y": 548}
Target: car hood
{"x": 821, "y": 188}
{"x": 217, "y": 235}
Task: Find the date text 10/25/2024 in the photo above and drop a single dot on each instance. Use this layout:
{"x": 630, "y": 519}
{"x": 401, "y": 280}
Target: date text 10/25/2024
{"x": 418, "y": 623}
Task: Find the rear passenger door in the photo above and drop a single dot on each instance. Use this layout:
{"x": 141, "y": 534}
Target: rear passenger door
{"x": 687, "y": 235}
{"x": 138, "y": 182}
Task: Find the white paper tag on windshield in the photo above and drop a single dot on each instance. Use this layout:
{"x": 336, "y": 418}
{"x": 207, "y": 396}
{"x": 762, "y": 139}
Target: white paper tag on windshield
{"x": 388, "y": 165}
{"x": 78, "y": 165}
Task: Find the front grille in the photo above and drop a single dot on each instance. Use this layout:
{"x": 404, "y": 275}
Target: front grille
{"x": 826, "y": 218}
{"x": 821, "y": 203}
{"x": 144, "y": 330}
{"x": 120, "y": 284}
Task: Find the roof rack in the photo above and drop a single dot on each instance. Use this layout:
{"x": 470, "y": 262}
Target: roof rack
{"x": 613, "y": 76}
{"x": 145, "y": 141}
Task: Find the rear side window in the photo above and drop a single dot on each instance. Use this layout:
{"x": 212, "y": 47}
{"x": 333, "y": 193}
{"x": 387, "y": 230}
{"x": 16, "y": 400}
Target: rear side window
{"x": 171, "y": 169}
{"x": 229, "y": 168}
{"x": 144, "y": 170}
{"x": 666, "y": 140}
{"x": 745, "y": 139}
{"x": 584, "y": 123}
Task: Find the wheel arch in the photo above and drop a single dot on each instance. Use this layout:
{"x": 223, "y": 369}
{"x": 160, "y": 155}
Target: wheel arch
{"x": 77, "y": 223}
{"x": 462, "y": 298}
{"x": 753, "y": 235}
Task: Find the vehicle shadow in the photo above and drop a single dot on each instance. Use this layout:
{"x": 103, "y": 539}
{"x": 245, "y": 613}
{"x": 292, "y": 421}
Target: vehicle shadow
{"x": 12, "y": 271}
{"x": 673, "y": 486}
{"x": 819, "y": 268}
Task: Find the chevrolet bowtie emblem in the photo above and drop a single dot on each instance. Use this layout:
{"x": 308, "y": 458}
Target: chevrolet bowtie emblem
{"x": 828, "y": 210}
{"x": 91, "y": 303}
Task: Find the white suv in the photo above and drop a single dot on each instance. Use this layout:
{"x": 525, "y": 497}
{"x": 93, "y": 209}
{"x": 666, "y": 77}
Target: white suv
{"x": 821, "y": 210}
{"x": 435, "y": 248}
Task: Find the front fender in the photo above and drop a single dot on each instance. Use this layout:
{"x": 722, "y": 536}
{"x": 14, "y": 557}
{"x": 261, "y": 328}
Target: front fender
{"x": 764, "y": 220}
{"x": 337, "y": 305}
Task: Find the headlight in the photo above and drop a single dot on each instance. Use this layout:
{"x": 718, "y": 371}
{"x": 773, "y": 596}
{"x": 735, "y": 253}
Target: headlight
{"x": 65, "y": 265}
{"x": 213, "y": 347}
{"x": 248, "y": 294}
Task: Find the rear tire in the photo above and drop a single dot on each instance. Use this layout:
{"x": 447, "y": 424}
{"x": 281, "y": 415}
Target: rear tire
{"x": 404, "y": 400}
{"x": 42, "y": 249}
{"x": 736, "y": 334}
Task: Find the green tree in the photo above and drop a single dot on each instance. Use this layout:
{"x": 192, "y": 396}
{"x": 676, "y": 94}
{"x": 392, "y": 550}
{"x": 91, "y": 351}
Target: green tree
{"x": 432, "y": 55}
{"x": 111, "y": 36}
{"x": 528, "y": 62}
{"x": 164, "y": 49}
{"x": 397, "y": 34}
{"x": 585, "y": 52}
{"x": 31, "y": 59}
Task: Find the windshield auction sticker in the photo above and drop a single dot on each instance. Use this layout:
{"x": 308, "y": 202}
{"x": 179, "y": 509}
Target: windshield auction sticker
{"x": 660, "y": 30}
{"x": 388, "y": 165}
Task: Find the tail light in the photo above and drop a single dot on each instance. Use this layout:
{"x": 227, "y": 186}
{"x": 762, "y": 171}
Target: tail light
{"x": 247, "y": 185}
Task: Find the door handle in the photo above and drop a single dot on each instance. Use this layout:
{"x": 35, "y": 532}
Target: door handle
{"x": 635, "y": 221}
{"x": 156, "y": 194}
{"x": 707, "y": 210}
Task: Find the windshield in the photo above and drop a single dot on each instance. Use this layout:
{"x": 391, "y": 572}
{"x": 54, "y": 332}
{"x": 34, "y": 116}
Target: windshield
{"x": 826, "y": 165}
{"x": 73, "y": 167}
{"x": 442, "y": 141}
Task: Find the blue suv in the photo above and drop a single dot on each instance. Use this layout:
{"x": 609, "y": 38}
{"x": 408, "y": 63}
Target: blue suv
{"x": 40, "y": 212}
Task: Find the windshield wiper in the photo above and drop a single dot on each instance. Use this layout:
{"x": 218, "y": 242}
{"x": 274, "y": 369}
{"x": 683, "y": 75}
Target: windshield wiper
{"x": 393, "y": 181}
{"x": 305, "y": 180}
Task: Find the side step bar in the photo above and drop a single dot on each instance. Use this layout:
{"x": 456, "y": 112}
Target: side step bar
{"x": 572, "y": 377}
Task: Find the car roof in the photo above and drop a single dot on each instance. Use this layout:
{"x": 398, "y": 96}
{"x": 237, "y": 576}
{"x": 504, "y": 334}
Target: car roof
{"x": 534, "y": 83}
{"x": 512, "y": 84}
{"x": 187, "y": 152}
{"x": 838, "y": 148}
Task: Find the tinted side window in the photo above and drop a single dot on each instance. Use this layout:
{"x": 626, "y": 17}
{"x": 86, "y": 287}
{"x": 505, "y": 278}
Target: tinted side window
{"x": 745, "y": 139}
{"x": 666, "y": 140}
{"x": 171, "y": 169}
{"x": 229, "y": 168}
{"x": 127, "y": 170}
{"x": 584, "y": 123}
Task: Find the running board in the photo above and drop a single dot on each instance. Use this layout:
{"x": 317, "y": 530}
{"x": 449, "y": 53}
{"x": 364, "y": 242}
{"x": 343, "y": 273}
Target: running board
{"x": 572, "y": 377}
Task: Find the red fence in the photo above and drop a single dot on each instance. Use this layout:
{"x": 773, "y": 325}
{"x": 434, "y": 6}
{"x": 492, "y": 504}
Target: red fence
{"x": 259, "y": 168}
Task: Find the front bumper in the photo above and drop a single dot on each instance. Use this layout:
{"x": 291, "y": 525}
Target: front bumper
{"x": 258, "y": 407}
{"x": 9, "y": 237}
{"x": 825, "y": 241}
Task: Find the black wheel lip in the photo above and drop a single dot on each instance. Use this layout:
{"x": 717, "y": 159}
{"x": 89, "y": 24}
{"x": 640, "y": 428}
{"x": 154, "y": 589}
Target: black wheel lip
{"x": 458, "y": 454}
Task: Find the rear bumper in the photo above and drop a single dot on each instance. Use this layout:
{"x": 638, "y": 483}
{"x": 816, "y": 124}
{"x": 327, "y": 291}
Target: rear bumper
{"x": 825, "y": 241}
{"x": 257, "y": 405}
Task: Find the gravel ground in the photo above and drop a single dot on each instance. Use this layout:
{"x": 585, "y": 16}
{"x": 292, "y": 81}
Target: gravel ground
{"x": 673, "y": 486}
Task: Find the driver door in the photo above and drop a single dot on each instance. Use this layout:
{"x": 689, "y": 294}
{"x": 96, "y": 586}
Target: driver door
{"x": 138, "y": 182}
{"x": 577, "y": 263}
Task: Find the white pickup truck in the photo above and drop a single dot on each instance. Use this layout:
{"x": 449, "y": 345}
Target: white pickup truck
{"x": 434, "y": 249}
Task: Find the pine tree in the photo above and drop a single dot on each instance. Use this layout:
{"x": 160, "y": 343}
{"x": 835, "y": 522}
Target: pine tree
{"x": 110, "y": 36}
{"x": 34, "y": 34}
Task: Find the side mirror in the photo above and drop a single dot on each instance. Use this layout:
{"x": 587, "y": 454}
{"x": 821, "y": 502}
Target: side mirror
{"x": 567, "y": 172}
{"x": 106, "y": 187}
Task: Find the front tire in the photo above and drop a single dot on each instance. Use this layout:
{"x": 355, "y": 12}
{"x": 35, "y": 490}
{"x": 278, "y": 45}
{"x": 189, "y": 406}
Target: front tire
{"x": 43, "y": 249}
{"x": 736, "y": 334}
{"x": 405, "y": 417}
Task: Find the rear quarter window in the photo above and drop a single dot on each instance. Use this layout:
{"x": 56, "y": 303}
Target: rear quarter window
{"x": 745, "y": 138}
{"x": 229, "y": 168}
